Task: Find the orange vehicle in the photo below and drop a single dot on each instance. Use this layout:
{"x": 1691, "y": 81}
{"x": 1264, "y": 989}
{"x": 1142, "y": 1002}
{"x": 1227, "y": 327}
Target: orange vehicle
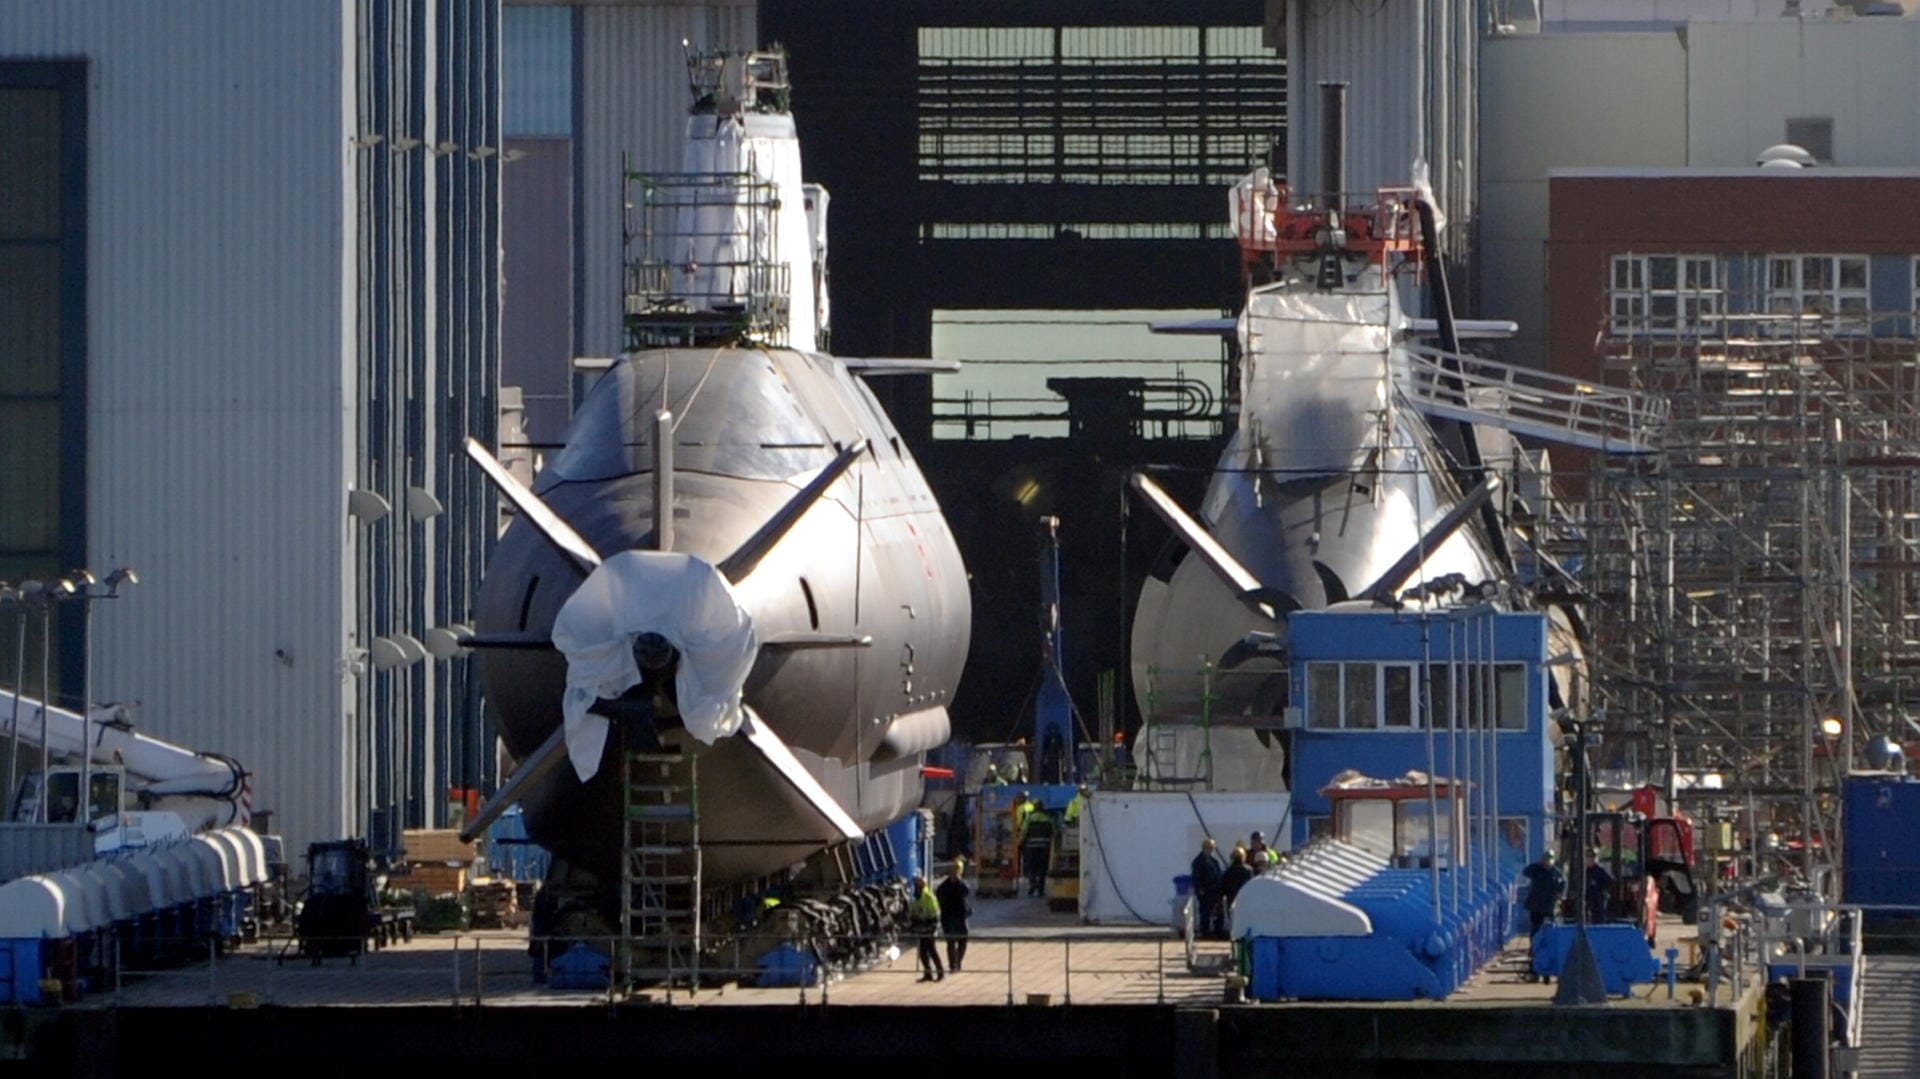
{"x": 1651, "y": 862}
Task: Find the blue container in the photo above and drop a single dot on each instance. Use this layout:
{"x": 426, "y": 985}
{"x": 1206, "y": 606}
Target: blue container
{"x": 786, "y": 966}
{"x": 1412, "y": 953}
{"x": 1620, "y": 949}
{"x": 1183, "y": 885}
{"x": 580, "y": 967}
{"x": 1882, "y": 846}
{"x": 20, "y": 971}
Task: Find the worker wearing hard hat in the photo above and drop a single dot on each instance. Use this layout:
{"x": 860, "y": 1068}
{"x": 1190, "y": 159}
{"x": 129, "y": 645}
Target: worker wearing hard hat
{"x": 1257, "y": 845}
{"x": 923, "y": 917}
{"x": 1021, "y": 809}
{"x": 1079, "y": 802}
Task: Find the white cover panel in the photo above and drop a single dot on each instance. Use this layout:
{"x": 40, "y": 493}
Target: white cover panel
{"x": 1133, "y": 843}
{"x": 671, "y": 593}
{"x": 1273, "y": 906}
{"x": 32, "y": 907}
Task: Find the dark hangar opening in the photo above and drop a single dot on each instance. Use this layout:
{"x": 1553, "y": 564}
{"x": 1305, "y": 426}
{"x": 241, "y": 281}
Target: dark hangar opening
{"x": 1035, "y": 156}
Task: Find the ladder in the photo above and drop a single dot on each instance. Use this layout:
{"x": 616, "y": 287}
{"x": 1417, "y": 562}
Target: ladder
{"x": 660, "y": 869}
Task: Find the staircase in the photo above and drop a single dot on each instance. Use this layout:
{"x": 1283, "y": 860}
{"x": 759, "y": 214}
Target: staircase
{"x": 1890, "y": 1017}
{"x": 660, "y": 873}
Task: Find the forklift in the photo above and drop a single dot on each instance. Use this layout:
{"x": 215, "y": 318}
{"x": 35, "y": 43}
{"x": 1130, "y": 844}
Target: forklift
{"x": 343, "y": 910}
{"x": 1651, "y": 862}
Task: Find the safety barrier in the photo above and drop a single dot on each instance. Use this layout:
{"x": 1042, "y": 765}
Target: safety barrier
{"x": 495, "y": 969}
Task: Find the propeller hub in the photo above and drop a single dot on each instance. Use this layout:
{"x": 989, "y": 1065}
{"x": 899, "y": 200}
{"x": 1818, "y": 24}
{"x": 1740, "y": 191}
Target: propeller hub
{"x": 652, "y": 652}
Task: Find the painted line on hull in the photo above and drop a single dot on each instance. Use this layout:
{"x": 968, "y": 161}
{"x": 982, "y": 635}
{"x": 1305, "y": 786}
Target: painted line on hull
{"x": 762, "y": 738}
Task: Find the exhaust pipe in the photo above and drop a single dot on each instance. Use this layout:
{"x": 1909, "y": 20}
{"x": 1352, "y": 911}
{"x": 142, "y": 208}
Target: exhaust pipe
{"x": 1333, "y": 146}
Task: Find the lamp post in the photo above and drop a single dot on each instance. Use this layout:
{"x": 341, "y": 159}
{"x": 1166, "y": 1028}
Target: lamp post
{"x": 18, "y": 597}
{"x": 86, "y": 582}
{"x": 108, "y": 589}
{"x": 54, "y": 592}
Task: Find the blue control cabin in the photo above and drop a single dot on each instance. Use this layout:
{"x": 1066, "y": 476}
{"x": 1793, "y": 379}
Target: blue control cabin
{"x": 1422, "y": 774}
{"x": 1370, "y": 687}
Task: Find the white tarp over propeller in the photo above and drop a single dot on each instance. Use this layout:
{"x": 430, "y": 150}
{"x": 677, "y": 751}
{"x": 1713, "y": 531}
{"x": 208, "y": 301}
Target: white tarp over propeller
{"x": 683, "y": 599}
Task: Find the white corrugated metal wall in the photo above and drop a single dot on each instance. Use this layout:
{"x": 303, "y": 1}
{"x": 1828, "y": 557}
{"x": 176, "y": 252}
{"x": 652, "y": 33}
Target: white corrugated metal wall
{"x": 291, "y": 289}
{"x": 633, "y": 98}
{"x": 220, "y": 355}
{"x": 1746, "y": 79}
{"x": 427, "y": 80}
{"x": 1412, "y": 78}
{"x": 1554, "y": 101}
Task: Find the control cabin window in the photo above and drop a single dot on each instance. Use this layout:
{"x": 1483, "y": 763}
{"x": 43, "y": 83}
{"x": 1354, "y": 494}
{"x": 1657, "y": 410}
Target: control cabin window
{"x": 1384, "y": 696}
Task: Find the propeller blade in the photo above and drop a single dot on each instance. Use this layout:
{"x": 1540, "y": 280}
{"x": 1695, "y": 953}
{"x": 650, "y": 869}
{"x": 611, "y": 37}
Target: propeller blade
{"x": 551, "y": 753}
{"x": 550, "y": 524}
{"x": 1397, "y": 574}
{"x": 741, "y": 562}
{"x": 521, "y": 641}
{"x": 1270, "y": 602}
{"x": 762, "y": 738}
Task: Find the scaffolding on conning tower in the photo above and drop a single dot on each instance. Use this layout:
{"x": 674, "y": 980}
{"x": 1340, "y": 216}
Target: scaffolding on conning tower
{"x": 1758, "y": 578}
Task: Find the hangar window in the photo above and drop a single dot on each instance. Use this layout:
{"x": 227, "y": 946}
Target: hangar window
{"x": 42, "y": 313}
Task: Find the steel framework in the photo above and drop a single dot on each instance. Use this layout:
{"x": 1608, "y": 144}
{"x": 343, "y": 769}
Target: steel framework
{"x": 1756, "y": 582}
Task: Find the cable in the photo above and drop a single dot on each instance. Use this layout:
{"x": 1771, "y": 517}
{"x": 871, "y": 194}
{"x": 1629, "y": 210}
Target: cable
{"x": 680, "y": 414}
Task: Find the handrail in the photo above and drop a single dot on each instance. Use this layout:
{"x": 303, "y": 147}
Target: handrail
{"x": 1533, "y": 402}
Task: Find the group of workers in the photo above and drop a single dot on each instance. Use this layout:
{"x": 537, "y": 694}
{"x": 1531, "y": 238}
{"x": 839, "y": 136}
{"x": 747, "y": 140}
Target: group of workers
{"x": 1217, "y": 881}
{"x": 940, "y": 911}
{"x": 1547, "y": 884}
{"x": 1033, "y": 828}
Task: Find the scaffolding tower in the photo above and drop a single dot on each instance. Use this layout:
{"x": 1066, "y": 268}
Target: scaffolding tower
{"x": 1756, "y": 581}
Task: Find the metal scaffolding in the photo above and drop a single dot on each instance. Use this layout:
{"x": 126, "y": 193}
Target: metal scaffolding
{"x": 1756, "y": 582}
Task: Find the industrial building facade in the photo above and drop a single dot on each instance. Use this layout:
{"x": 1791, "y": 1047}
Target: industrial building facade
{"x": 249, "y": 276}
{"x": 1754, "y": 582}
{"x": 1706, "y": 86}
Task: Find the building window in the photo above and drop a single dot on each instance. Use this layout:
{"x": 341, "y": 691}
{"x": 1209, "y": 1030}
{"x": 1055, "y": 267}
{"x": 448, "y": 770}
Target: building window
{"x": 42, "y": 317}
{"x": 1829, "y": 285}
{"x": 1665, "y": 295}
{"x": 1510, "y": 693}
{"x": 1814, "y": 134}
{"x": 1360, "y": 706}
{"x": 1440, "y": 694}
{"x": 1914, "y": 278}
{"x": 1516, "y": 845}
{"x": 1468, "y": 683}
